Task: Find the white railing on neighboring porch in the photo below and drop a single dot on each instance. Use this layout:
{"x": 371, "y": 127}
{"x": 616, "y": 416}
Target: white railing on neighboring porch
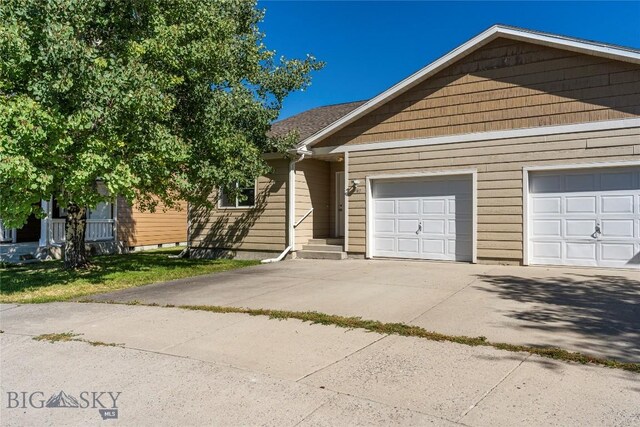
{"x": 97, "y": 229}
{"x": 6, "y": 234}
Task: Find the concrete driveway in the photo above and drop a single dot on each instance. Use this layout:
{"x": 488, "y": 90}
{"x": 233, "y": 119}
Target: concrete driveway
{"x": 593, "y": 311}
{"x": 175, "y": 367}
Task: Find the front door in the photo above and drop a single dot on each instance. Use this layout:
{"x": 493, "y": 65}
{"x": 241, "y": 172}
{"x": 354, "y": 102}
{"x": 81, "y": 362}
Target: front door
{"x": 340, "y": 204}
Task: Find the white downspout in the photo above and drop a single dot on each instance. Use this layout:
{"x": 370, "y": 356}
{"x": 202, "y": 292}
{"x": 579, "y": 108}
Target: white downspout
{"x": 279, "y": 258}
{"x": 291, "y": 210}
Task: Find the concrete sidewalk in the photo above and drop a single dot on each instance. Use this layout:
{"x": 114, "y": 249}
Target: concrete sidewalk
{"x": 592, "y": 311}
{"x": 179, "y": 367}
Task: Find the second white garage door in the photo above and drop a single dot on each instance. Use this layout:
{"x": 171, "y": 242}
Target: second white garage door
{"x": 585, "y": 217}
{"x": 423, "y": 219}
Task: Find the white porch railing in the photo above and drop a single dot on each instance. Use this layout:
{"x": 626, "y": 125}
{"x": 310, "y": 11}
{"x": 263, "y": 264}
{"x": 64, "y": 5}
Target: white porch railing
{"x": 97, "y": 230}
{"x": 6, "y": 234}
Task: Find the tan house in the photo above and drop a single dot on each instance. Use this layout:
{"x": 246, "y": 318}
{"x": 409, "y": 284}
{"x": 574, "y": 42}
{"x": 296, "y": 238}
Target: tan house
{"x": 517, "y": 147}
{"x": 111, "y": 227}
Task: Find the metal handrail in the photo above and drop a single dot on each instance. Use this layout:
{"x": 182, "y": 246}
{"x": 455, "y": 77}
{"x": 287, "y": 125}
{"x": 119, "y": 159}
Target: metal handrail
{"x": 303, "y": 218}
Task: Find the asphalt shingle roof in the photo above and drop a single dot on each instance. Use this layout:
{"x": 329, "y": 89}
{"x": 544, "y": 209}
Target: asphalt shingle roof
{"x": 311, "y": 121}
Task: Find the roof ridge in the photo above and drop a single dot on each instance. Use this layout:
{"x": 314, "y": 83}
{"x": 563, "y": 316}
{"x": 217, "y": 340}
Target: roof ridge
{"x": 566, "y": 37}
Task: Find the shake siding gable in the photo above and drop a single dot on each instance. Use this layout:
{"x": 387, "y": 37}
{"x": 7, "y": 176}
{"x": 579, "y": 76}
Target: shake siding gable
{"x": 503, "y": 85}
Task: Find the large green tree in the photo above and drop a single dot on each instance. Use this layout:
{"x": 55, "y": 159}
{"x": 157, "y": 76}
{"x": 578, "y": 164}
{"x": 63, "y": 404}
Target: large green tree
{"x": 153, "y": 100}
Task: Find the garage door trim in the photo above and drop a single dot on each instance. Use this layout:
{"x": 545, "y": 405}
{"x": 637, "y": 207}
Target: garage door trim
{"x": 473, "y": 173}
{"x": 566, "y": 167}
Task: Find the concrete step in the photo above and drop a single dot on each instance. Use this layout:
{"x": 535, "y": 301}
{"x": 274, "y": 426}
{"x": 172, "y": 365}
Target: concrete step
{"x": 321, "y": 255}
{"x": 326, "y": 241}
{"x": 325, "y": 248}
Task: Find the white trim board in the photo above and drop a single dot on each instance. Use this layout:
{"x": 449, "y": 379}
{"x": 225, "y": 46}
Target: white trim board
{"x": 338, "y": 175}
{"x": 486, "y": 136}
{"x": 451, "y": 172}
{"x": 487, "y": 36}
{"x": 346, "y": 202}
{"x": 571, "y": 166}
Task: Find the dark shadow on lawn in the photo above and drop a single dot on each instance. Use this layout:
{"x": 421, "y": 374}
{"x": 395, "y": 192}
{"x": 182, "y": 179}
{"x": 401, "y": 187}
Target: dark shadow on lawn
{"x": 603, "y": 307}
{"x": 17, "y": 278}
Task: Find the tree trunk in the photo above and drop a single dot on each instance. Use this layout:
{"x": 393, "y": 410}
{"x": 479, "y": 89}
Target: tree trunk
{"x": 75, "y": 253}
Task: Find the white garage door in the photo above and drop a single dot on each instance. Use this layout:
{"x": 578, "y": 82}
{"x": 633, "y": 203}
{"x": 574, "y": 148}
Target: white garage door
{"x": 587, "y": 218}
{"x": 425, "y": 219}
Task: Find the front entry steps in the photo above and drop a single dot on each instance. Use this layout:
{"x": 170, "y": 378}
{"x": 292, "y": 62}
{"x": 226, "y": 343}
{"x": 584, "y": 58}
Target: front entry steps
{"x": 323, "y": 249}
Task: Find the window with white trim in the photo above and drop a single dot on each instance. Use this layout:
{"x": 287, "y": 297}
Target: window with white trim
{"x": 248, "y": 201}
{"x": 103, "y": 210}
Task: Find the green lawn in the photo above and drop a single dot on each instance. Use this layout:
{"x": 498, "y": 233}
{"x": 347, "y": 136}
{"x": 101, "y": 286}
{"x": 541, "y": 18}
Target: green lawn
{"x": 48, "y": 281}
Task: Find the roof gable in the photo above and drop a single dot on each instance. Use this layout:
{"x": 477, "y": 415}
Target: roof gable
{"x": 485, "y": 38}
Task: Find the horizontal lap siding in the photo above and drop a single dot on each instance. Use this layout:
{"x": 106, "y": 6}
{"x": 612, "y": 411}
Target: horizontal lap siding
{"x": 312, "y": 191}
{"x": 504, "y": 85}
{"x": 499, "y": 164}
{"x": 261, "y": 228}
{"x": 137, "y": 228}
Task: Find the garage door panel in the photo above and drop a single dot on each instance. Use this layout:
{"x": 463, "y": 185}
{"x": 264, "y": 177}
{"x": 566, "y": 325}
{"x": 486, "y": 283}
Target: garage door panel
{"x": 433, "y": 207}
{"x": 385, "y": 207}
{"x": 580, "y": 228}
{"x": 385, "y": 226}
{"x": 547, "y": 228}
{"x": 429, "y": 216}
{"x": 580, "y": 204}
{"x": 408, "y": 207}
{"x": 617, "y": 228}
{"x": 409, "y": 246}
{"x": 597, "y": 224}
{"x": 544, "y": 205}
{"x": 581, "y": 250}
{"x": 433, "y": 247}
{"x": 433, "y": 226}
{"x": 617, "y": 252}
{"x": 547, "y": 250}
{"x": 385, "y": 244}
{"x": 617, "y": 204}
{"x": 408, "y": 225}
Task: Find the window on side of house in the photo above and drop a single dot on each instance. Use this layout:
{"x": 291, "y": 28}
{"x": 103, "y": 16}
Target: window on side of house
{"x": 102, "y": 211}
{"x": 248, "y": 199}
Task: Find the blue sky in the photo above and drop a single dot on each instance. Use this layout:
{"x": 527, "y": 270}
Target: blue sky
{"x": 370, "y": 45}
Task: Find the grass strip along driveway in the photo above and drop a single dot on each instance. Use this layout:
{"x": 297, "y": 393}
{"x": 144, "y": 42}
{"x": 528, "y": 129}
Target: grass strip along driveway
{"x": 399, "y": 329}
{"x": 49, "y": 281}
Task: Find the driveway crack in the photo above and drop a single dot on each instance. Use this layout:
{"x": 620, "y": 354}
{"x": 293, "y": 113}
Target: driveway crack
{"x": 342, "y": 358}
{"x": 449, "y": 297}
{"x": 488, "y": 392}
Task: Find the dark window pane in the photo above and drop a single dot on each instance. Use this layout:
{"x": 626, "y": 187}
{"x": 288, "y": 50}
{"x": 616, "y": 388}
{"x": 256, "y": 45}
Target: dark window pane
{"x": 249, "y": 197}
{"x": 224, "y": 200}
